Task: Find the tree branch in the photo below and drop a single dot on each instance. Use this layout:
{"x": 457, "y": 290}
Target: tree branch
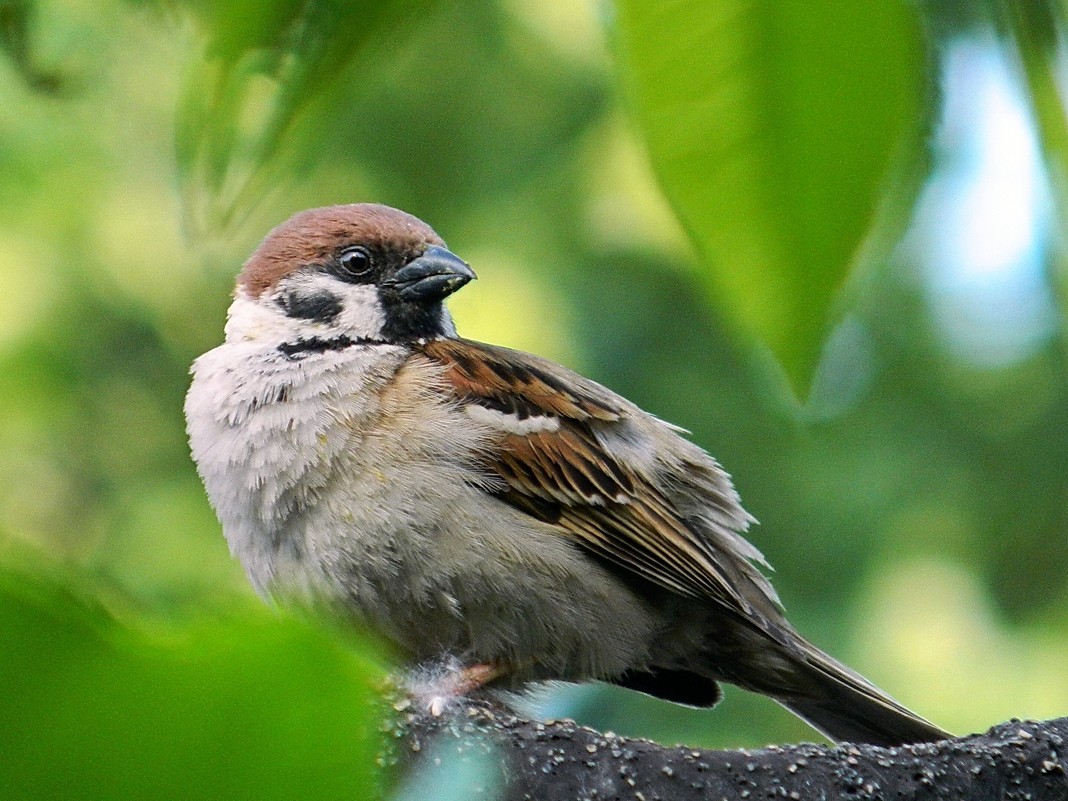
{"x": 561, "y": 761}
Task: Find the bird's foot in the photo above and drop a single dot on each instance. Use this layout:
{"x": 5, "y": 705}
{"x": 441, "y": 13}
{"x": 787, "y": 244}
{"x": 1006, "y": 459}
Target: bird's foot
{"x": 465, "y": 681}
{"x": 438, "y": 685}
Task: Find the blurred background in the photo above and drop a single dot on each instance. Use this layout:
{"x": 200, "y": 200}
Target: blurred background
{"x": 914, "y": 502}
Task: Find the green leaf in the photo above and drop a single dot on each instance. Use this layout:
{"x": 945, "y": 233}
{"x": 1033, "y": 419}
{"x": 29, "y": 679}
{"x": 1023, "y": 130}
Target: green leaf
{"x": 257, "y": 707}
{"x": 773, "y": 129}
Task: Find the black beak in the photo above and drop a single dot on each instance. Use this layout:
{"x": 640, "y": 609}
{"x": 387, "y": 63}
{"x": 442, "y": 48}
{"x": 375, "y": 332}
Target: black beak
{"x": 431, "y": 277}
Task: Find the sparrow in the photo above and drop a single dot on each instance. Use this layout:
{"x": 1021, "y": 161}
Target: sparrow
{"x": 473, "y": 501}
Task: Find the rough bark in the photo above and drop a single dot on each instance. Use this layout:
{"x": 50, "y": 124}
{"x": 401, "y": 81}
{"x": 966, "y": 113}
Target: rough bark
{"x": 559, "y": 760}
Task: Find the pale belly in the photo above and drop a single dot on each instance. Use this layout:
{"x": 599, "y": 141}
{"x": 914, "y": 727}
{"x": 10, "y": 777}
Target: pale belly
{"x": 339, "y": 489}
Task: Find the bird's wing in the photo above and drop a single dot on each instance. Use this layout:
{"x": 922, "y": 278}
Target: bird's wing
{"x": 577, "y": 455}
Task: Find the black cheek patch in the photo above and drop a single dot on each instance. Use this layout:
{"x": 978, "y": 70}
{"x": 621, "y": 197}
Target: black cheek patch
{"x": 322, "y": 306}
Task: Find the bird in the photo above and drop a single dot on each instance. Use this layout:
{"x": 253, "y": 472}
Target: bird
{"x": 470, "y": 501}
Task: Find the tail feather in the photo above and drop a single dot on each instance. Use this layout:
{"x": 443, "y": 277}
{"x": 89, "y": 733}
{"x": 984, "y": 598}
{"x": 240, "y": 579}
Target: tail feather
{"x": 771, "y": 658}
{"x": 847, "y": 707}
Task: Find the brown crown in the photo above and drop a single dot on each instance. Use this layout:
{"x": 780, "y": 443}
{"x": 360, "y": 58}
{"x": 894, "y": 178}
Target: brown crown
{"x": 317, "y": 235}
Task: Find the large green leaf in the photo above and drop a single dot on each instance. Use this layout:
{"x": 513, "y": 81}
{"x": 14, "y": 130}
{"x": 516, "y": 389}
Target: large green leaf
{"x": 256, "y": 707}
{"x": 774, "y": 129}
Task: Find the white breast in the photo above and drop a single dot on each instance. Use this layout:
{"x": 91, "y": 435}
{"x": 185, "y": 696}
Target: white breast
{"x": 350, "y": 474}
{"x": 280, "y": 442}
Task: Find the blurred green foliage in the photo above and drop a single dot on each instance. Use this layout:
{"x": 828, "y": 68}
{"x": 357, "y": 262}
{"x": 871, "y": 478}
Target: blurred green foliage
{"x": 1036, "y": 32}
{"x": 263, "y": 64}
{"x": 915, "y": 507}
{"x": 246, "y": 707}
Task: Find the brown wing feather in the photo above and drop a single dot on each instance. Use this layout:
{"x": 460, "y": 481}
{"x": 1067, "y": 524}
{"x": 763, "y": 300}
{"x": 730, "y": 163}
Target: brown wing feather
{"x": 522, "y": 387}
{"x": 603, "y": 503}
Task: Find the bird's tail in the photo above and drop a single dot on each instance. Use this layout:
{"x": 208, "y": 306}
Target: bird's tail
{"x": 842, "y": 704}
{"x": 845, "y": 706}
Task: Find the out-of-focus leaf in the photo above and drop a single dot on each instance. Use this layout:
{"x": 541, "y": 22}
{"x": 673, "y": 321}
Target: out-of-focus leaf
{"x": 15, "y": 25}
{"x": 265, "y": 63}
{"x": 773, "y": 129}
{"x": 247, "y": 708}
{"x": 1038, "y": 30}
{"x": 479, "y": 105}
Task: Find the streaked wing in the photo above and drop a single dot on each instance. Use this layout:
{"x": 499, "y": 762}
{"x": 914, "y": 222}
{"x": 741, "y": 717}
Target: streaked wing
{"x": 552, "y": 459}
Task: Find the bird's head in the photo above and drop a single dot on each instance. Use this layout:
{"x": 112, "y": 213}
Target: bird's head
{"x": 358, "y": 272}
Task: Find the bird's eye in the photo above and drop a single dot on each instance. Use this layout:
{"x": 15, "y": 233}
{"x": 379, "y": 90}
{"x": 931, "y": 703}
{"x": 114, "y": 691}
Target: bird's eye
{"x": 354, "y": 262}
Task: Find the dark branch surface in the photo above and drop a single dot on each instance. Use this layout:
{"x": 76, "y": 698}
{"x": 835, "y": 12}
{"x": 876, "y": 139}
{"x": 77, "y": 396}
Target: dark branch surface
{"x": 561, "y": 761}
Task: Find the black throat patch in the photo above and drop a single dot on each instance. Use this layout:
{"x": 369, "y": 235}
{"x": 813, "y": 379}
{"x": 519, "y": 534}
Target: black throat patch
{"x": 411, "y": 322}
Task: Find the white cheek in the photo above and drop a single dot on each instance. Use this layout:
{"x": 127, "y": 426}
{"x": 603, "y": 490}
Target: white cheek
{"x": 361, "y": 311}
{"x": 262, "y": 320}
{"x": 250, "y": 320}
